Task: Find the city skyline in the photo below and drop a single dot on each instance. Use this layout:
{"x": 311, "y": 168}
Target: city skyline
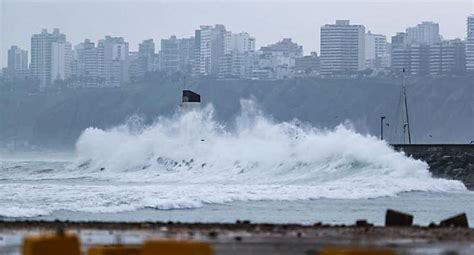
{"x": 386, "y": 38}
{"x": 215, "y": 51}
{"x": 303, "y": 29}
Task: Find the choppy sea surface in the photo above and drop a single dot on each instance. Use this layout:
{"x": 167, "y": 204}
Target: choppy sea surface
{"x": 191, "y": 168}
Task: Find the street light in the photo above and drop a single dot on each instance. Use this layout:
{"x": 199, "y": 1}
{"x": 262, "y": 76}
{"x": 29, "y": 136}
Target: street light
{"x": 382, "y": 118}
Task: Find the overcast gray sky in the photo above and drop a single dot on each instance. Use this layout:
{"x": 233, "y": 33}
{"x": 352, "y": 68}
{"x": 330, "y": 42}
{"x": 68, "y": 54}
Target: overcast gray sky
{"x": 267, "y": 21}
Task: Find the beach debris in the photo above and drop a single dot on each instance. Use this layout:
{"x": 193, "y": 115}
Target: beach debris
{"x": 398, "y": 219}
{"x": 213, "y": 234}
{"x": 317, "y": 224}
{"x": 459, "y": 220}
{"x": 363, "y": 223}
{"x": 242, "y": 222}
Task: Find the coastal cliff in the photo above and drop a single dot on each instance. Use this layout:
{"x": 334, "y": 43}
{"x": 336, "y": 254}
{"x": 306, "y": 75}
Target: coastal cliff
{"x": 441, "y": 109}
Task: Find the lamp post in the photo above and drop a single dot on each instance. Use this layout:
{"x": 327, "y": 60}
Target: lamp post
{"x": 382, "y": 118}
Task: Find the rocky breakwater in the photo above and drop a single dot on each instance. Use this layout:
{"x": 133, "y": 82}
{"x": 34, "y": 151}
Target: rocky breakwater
{"x": 449, "y": 161}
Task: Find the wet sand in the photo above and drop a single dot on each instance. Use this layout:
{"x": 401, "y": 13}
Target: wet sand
{"x": 247, "y": 238}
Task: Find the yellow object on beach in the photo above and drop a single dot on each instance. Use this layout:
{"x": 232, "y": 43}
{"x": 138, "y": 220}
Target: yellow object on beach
{"x": 51, "y": 244}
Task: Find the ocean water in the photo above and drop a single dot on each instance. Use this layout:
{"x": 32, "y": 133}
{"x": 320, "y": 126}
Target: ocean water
{"x": 191, "y": 168}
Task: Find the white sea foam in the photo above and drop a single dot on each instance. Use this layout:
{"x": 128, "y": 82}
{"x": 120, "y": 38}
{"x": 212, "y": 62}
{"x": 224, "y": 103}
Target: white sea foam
{"x": 190, "y": 160}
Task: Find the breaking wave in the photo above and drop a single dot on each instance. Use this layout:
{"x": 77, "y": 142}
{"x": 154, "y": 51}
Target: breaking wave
{"x": 190, "y": 159}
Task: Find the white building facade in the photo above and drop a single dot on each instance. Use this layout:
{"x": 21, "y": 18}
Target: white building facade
{"x": 425, "y": 33}
{"x": 61, "y": 60}
{"x": 470, "y": 44}
{"x": 377, "y": 56}
{"x": 85, "y": 69}
{"x": 210, "y": 47}
{"x": 42, "y": 56}
{"x": 113, "y": 61}
{"x": 243, "y": 42}
{"x": 342, "y": 47}
{"x": 238, "y": 56}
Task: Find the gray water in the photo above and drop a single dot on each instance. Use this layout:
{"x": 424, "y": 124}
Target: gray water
{"x": 50, "y": 190}
{"x": 425, "y": 206}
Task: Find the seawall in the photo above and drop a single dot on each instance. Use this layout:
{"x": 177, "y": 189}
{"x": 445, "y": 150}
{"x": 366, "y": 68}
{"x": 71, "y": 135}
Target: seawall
{"x": 450, "y": 161}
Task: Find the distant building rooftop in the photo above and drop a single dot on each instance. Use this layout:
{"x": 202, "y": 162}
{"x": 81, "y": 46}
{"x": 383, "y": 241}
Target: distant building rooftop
{"x": 342, "y": 22}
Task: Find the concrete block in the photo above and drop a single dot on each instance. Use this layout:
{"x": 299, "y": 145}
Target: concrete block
{"x": 398, "y": 219}
{"x": 459, "y": 220}
{"x": 175, "y": 247}
{"x": 51, "y": 244}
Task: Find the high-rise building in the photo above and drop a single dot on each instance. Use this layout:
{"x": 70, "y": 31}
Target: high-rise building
{"x": 444, "y": 57}
{"x": 136, "y": 71}
{"x": 239, "y": 54}
{"x": 113, "y": 61}
{"x": 86, "y": 66}
{"x": 228, "y": 41}
{"x": 169, "y": 55}
{"x": 210, "y": 47}
{"x": 242, "y": 42}
{"x": 278, "y": 60}
{"x": 196, "y": 67}
{"x": 418, "y": 59}
{"x": 286, "y": 47}
{"x": 155, "y": 66}
{"x": 447, "y": 57}
{"x": 342, "y": 47}
{"x": 146, "y": 53}
{"x": 17, "y": 67}
{"x": 425, "y": 33}
{"x": 470, "y": 44}
{"x": 17, "y": 59}
{"x": 61, "y": 60}
{"x": 230, "y": 65}
{"x": 376, "y": 53}
{"x": 308, "y": 65}
{"x": 141, "y": 62}
{"x": 177, "y": 55}
{"x": 186, "y": 54}
{"x": 399, "y": 53}
{"x": 42, "y": 56}
{"x": 420, "y": 51}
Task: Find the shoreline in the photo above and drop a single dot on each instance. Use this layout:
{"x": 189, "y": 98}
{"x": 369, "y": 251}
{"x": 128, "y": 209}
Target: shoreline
{"x": 244, "y": 237}
{"x": 432, "y": 233}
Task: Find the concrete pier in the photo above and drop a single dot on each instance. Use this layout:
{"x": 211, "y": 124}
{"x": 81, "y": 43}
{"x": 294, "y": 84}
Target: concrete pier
{"x": 449, "y": 161}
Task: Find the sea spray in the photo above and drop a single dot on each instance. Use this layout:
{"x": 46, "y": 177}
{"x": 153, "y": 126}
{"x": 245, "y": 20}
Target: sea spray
{"x": 190, "y": 159}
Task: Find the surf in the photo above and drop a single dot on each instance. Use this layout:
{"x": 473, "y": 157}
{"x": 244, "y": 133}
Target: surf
{"x": 190, "y": 160}
{"x": 192, "y": 147}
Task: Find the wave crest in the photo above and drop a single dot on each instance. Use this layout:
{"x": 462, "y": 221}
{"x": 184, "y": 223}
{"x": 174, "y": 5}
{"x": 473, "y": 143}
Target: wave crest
{"x": 190, "y": 159}
{"x": 192, "y": 147}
